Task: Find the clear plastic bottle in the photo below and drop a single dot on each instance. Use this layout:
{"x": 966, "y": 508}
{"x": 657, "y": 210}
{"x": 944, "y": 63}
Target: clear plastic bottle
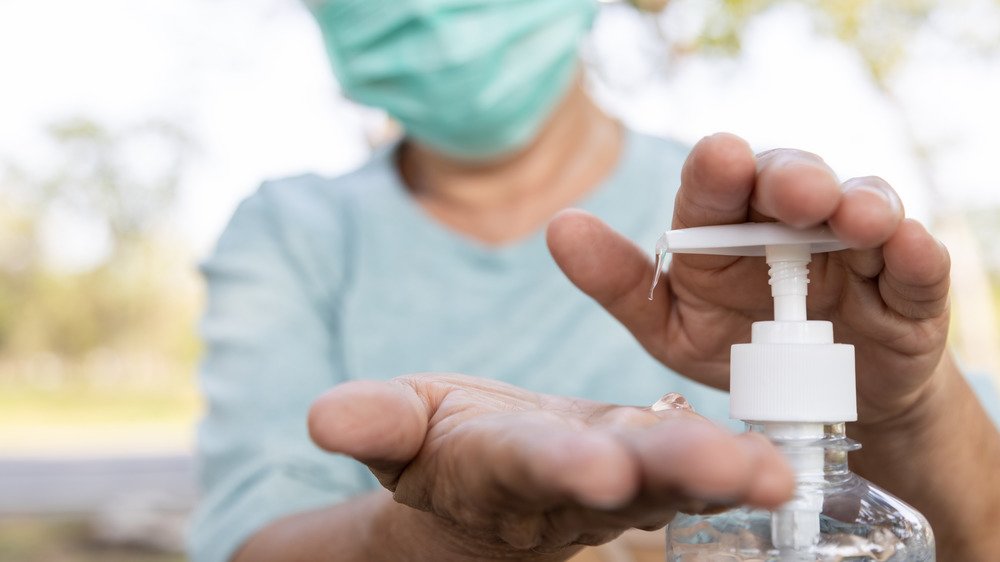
{"x": 857, "y": 521}
{"x": 795, "y": 385}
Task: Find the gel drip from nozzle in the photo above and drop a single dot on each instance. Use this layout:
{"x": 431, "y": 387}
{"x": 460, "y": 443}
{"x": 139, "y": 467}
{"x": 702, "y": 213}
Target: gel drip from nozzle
{"x": 657, "y": 271}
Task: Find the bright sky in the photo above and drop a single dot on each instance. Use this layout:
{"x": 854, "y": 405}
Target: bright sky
{"x": 248, "y": 79}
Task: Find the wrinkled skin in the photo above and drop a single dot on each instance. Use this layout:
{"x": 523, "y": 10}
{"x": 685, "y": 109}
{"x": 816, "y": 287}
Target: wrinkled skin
{"x": 513, "y": 468}
{"x": 888, "y": 297}
{"x": 512, "y": 473}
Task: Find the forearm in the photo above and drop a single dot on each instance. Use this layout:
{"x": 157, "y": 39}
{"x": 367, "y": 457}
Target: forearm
{"x": 943, "y": 457}
{"x": 341, "y": 532}
{"x": 373, "y": 527}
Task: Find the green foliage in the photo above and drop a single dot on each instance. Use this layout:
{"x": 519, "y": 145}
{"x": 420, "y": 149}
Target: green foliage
{"x": 124, "y": 303}
{"x": 880, "y": 31}
{"x": 141, "y": 295}
{"x": 723, "y": 28}
{"x": 80, "y": 402}
{"x": 98, "y": 175}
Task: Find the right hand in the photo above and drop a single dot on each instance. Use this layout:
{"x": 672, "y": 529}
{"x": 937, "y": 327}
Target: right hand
{"x": 888, "y": 296}
{"x": 501, "y": 472}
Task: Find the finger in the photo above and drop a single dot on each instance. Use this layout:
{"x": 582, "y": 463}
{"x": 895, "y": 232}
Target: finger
{"x": 773, "y": 481}
{"x": 537, "y": 459}
{"x": 625, "y": 418}
{"x": 630, "y": 417}
{"x": 586, "y": 249}
{"x": 716, "y": 183}
{"x": 591, "y": 466}
{"x": 382, "y": 424}
{"x": 868, "y": 214}
{"x": 795, "y": 187}
{"x": 916, "y": 278}
{"x": 698, "y": 459}
{"x": 866, "y": 264}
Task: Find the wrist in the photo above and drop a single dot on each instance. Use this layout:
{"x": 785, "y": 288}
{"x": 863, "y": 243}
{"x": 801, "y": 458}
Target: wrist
{"x": 932, "y": 454}
{"x": 922, "y": 430}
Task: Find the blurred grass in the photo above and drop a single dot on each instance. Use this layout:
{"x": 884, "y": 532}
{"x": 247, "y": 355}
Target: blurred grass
{"x": 81, "y": 418}
{"x": 86, "y": 405}
{"x": 65, "y": 540}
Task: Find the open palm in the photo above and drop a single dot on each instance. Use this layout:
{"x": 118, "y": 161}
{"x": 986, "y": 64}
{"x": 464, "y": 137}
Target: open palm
{"x": 512, "y": 471}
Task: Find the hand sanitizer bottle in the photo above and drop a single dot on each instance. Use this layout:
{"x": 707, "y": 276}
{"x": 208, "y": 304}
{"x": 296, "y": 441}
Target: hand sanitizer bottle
{"x": 793, "y": 384}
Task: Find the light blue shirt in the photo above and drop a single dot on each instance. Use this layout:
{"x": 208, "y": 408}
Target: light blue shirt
{"x": 317, "y": 281}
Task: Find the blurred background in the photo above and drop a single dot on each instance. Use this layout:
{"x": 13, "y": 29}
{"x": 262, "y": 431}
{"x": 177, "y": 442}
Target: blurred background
{"x": 130, "y": 130}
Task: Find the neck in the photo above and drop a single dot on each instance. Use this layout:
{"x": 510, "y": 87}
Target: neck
{"x": 503, "y": 200}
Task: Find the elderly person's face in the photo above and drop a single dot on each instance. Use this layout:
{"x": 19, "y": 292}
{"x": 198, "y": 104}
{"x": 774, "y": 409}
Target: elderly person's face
{"x": 473, "y": 79}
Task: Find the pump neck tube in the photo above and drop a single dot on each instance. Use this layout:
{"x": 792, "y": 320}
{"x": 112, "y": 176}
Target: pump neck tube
{"x": 789, "y": 281}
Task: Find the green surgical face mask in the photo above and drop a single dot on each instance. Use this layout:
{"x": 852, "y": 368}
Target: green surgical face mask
{"x": 475, "y": 79}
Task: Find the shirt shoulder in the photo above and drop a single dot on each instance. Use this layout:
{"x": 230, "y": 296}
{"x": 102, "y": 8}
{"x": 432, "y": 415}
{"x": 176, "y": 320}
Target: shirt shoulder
{"x": 651, "y": 167}
{"x": 661, "y": 152}
{"x": 303, "y": 225}
{"x": 637, "y": 199}
{"x": 321, "y": 204}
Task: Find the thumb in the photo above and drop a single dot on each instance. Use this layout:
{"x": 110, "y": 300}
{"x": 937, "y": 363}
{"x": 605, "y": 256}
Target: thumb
{"x": 612, "y": 270}
{"x": 381, "y": 424}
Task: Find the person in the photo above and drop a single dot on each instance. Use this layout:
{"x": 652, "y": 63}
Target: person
{"x": 442, "y": 255}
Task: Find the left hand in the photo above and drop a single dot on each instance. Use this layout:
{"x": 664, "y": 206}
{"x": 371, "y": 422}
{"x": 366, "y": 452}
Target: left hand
{"x": 498, "y": 472}
{"x": 888, "y": 297}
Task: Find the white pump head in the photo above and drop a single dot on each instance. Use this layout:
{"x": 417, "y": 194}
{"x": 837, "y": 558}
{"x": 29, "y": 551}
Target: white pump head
{"x": 792, "y": 371}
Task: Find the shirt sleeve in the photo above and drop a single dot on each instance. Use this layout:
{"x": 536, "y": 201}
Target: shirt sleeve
{"x": 271, "y": 340}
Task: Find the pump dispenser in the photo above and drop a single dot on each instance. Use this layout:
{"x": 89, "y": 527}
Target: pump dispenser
{"x": 796, "y": 386}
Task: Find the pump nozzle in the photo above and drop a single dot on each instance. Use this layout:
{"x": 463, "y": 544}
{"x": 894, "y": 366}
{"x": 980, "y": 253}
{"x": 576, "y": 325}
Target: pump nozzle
{"x": 788, "y": 252}
{"x": 792, "y": 377}
{"x": 791, "y": 371}
{"x": 747, "y": 239}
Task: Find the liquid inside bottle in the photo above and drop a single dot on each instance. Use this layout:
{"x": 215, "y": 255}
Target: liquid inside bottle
{"x": 835, "y": 516}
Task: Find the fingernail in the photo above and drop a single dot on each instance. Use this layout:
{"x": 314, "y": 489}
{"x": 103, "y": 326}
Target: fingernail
{"x": 671, "y": 401}
{"x": 888, "y": 196}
